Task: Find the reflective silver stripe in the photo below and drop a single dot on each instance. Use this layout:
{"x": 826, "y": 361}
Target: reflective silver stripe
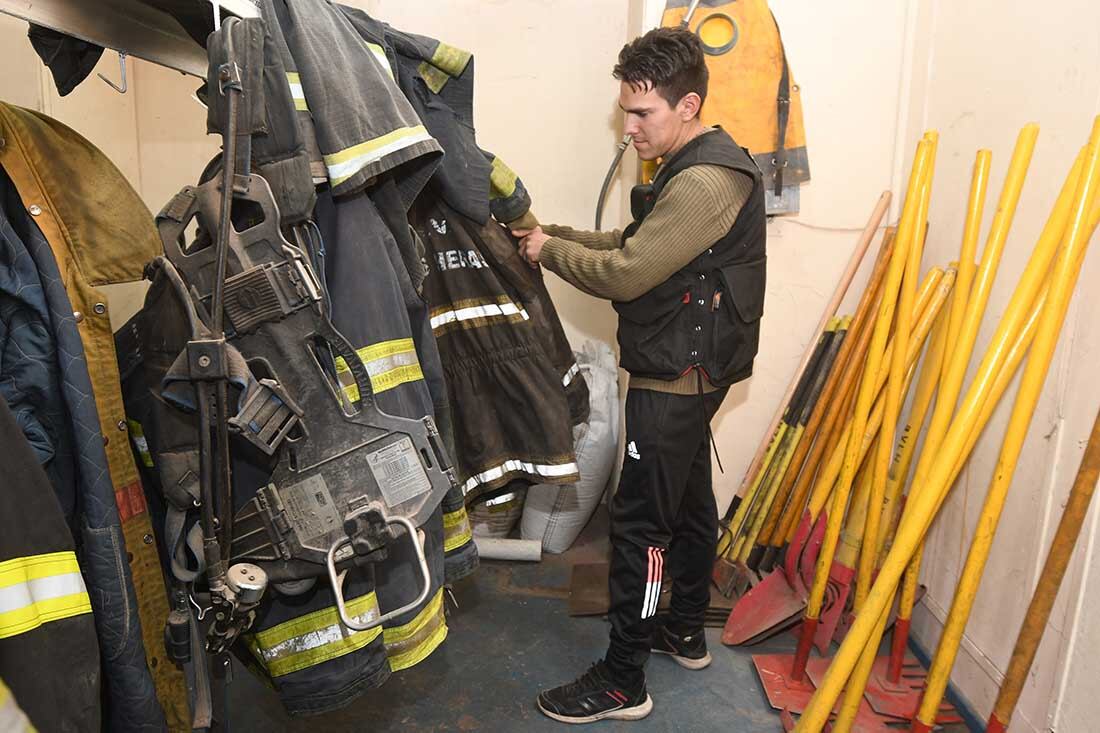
{"x": 490, "y": 310}
{"x": 322, "y": 637}
{"x": 380, "y": 56}
{"x": 24, "y": 595}
{"x": 346, "y": 163}
{"x": 514, "y": 464}
{"x": 570, "y": 374}
{"x": 502, "y": 499}
{"x": 299, "y": 96}
{"x": 376, "y": 367}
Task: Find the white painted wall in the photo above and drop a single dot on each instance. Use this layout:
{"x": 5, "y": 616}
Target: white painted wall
{"x": 873, "y": 75}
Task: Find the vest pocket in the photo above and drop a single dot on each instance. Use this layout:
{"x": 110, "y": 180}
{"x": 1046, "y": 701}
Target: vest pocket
{"x": 737, "y": 326}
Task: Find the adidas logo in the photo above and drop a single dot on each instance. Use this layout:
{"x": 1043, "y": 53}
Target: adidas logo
{"x": 632, "y": 451}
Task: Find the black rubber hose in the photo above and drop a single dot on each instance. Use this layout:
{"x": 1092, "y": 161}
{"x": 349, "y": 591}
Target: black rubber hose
{"x": 620, "y": 148}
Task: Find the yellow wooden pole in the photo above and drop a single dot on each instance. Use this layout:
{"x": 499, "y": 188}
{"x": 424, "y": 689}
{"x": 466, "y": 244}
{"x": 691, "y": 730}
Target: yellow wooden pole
{"x": 971, "y": 231}
{"x": 951, "y": 381}
{"x": 744, "y": 534}
{"x": 853, "y": 534}
{"x": 858, "y": 681}
{"x": 853, "y": 692}
{"x": 836, "y": 392}
{"x": 881, "y": 464}
{"x": 975, "y": 208}
{"x": 1050, "y": 579}
{"x": 1064, "y": 280}
{"x": 914, "y": 525}
{"x": 859, "y": 421}
{"x": 907, "y": 442}
{"x": 934, "y": 292}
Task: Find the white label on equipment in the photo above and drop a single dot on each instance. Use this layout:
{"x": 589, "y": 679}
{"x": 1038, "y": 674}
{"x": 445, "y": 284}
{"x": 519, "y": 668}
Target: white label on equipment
{"x": 310, "y": 509}
{"x": 398, "y": 471}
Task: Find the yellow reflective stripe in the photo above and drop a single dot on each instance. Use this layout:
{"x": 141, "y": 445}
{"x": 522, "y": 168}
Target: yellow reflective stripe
{"x": 33, "y": 567}
{"x": 137, "y": 434}
{"x": 38, "y": 589}
{"x": 409, "y": 644}
{"x": 296, "y": 92}
{"x": 450, "y": 59}
{"x": 456, "y": 529}
{"x": 446, "y": 62}
{"x": 389, "y": 364}
{"x": 380, "y": 55}
{"x": 317, "y": 637}
{"x": 345, "y": 163}
{"x": 435, "y": 78}
{"x": 12, "y": 718}
{"x": 502, "y": 180}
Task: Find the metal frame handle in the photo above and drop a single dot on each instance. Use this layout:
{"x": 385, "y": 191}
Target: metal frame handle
{"x": 337, "y": 578}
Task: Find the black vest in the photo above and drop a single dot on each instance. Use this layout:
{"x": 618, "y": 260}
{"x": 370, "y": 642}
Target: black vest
{"x": 707, "y": 315}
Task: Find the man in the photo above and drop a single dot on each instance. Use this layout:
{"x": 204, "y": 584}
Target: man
{"x": 687, "y": 279}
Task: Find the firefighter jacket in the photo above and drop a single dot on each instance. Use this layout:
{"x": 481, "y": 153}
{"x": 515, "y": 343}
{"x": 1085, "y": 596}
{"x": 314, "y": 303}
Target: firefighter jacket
{"x": 86, "y": 227}
{"x": 49, "y": 653}
{"x": 707, "y": 315}
{"x": 360, "y": 244}
{"x": 468, "y": 188}
{"x": 512, "y": 418}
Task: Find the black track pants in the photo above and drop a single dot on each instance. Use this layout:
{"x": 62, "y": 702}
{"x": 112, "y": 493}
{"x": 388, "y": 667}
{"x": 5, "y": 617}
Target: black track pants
{"x": 663, "y": 519}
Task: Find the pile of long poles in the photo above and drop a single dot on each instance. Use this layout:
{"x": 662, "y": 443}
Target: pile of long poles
{"x": 845, "y": 467}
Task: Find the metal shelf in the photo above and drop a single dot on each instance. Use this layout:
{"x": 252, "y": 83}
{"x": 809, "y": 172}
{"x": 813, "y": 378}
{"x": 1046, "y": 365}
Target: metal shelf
{"x": 132, "y": 27}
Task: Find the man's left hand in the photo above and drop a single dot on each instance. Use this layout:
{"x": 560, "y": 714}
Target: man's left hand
{"x": 530, "y": 247}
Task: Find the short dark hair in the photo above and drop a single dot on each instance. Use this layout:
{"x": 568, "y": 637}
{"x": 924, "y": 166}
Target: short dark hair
{"x": 670, "y": 60}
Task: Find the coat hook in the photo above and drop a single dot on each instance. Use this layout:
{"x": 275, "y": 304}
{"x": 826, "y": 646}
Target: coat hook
{"x": 122, "y": 68}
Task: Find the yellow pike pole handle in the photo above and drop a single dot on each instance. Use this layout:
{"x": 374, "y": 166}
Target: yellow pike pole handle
{"x": 1066, "y": 272}
{"x": 914, "y": 524}
{"x": 907, "y": 442}
{"x": 858, "y": 680}
{"x": 863, "y": 405}
{"x": 951, "y": 380}
{"x": 933, "y": 294}
{"x": 881, "y": 464}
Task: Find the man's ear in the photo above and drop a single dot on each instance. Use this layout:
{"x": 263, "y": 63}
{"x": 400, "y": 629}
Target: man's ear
{"x": 688, "y": 106}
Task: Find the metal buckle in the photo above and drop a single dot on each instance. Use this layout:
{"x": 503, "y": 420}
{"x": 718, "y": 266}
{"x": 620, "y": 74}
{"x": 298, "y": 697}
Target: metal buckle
{"x": 267, "y": 416}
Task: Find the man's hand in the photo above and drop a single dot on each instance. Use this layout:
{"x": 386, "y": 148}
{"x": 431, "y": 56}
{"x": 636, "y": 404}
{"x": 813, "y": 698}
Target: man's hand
{"x": 530, "y": 246}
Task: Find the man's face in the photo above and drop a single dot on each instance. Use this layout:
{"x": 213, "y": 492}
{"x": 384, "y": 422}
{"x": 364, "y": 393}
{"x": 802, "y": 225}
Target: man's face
{"x": 656, "y": 126}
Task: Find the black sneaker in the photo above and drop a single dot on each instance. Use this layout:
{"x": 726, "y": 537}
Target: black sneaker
{"x": 689, "y": 651}
{"x": 595, "y": 697}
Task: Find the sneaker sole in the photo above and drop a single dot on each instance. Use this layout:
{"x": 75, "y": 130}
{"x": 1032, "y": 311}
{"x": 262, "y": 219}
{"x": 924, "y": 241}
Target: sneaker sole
{"x": 636, "y": 712}
{"x": 687, "y": 662}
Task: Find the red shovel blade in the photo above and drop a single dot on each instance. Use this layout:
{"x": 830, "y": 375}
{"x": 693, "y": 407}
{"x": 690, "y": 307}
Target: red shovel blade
{"x": 836, "y": 599}
{"x": 771, "y": 605}
{"x": 868, "y": 720}
{"x": 792, "y": 696}
{"x": 784, "y": 692}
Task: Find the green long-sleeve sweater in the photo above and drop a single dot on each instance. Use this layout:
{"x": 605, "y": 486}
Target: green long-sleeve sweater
{"x": 696, "y": 208}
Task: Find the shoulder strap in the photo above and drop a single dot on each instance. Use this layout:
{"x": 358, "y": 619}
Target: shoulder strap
{"x": 783, "y": 110}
